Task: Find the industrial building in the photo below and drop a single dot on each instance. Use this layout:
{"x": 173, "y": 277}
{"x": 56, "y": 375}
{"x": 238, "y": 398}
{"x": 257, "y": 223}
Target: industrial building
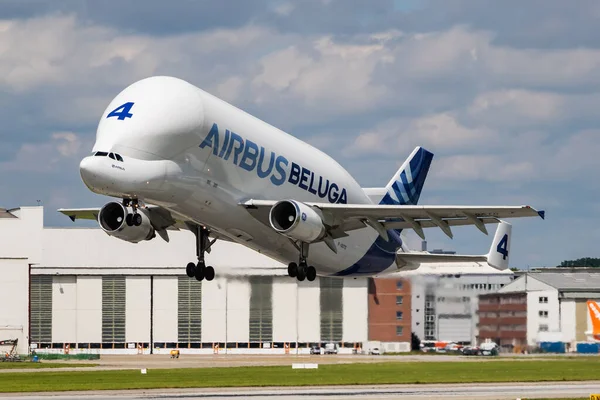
{"x": 546, "y": 306}
{"x": 445, "y": 299}
{"x": 78, "y": 289}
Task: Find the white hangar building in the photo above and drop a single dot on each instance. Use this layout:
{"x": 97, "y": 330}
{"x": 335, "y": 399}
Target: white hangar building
{"x": 80, "y": 289}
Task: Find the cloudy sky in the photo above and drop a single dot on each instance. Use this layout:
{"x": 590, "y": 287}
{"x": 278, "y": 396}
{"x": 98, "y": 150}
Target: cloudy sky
{"x": 506, "y": 94}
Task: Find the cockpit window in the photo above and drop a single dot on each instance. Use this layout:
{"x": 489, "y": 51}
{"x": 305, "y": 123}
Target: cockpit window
{"x": 114, "y": 156}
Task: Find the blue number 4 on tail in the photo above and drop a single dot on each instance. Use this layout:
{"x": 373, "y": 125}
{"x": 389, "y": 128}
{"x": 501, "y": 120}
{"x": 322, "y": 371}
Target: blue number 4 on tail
{"x": 502, "y": 247}
{"x": 122, "y": 111}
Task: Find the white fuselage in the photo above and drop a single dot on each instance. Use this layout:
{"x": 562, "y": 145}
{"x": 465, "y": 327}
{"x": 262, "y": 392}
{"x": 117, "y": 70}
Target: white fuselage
{"x": 200, "y": 157}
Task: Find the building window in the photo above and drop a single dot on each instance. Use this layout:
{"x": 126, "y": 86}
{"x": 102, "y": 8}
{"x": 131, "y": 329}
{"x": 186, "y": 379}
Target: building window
{"x": 398, "y": 300}
{"x": 399, "y": 330}
{"x": 543, "y": 314}
{"x": 543, "y": 300}
{"x": 543, "y": 328}
{"x": 399, "y": 314}
{"x": 399, "y": 285}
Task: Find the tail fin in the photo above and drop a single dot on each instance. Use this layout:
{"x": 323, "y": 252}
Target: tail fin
{"x": 406, "y": 185}
{"x": 594, "y": 311}
{"x": 500, "y": 249}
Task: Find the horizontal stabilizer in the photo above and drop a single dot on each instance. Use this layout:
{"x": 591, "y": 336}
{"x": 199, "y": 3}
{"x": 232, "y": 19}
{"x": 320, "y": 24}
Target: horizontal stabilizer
{"x": 497, "y": 256}
{"x": 415, "y": 259}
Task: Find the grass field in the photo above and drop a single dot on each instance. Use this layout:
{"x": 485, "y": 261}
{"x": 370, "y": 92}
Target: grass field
{"x": 41, "y": 365}
{"x": 346, "y": 374}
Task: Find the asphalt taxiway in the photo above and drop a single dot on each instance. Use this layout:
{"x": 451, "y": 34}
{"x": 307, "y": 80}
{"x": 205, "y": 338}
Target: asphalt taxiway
{"x": 454, "y": 391}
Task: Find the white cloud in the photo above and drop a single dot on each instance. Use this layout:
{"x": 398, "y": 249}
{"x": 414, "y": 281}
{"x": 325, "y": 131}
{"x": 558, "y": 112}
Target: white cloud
{"x": 438, "y": 132}
{"x": 45, "y": 157}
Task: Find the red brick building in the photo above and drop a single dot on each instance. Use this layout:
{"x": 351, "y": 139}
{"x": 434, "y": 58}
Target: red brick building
{"x": 389, "y": 310}
{"x": 503, "y": 318}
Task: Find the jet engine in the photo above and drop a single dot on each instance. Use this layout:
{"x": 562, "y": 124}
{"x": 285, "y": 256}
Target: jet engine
{"x": 297, "y": 221}
{"x": 121, "y": 222}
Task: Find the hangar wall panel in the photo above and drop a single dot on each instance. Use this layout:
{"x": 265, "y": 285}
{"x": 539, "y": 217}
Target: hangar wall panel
{"x": 583, "y": 321}
{"x": 41, "y": 309}
{"x": 21, "y": 236}
{"x": 113, "y": 309}
{"x": 567, "y": 320}
{"x": 213, "y": 310}
{"x": 355, "y": 310}
{"x": 165, "y": 309}
{"x": 14, "y": 300}
{"x": 309, "y": 329}
{"x": 137, "y": 310}
{"x": 285, "y": 312}
{"x": 89, "y": 309}
{"x": 332, "y": 314}
{"x": 189, "y": 310}
{"x": 260, "y": 322}
{"x": 64, "y": 309}
{"x": 238, "y": 311}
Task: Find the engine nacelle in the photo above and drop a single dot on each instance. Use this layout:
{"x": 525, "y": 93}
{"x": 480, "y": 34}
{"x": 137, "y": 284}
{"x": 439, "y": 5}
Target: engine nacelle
{"x": 297, "y": 221}
{"x": 117, "y": 220}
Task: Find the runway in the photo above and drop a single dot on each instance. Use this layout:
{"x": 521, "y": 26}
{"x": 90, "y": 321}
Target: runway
{"x": 462, "y": 391}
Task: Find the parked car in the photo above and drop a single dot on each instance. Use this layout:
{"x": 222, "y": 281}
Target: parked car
{"x": 315, "y": 350}
{"x": 331, "y": 348}
{"x": 375, "y": 351}
{"x": 471, "y": 351}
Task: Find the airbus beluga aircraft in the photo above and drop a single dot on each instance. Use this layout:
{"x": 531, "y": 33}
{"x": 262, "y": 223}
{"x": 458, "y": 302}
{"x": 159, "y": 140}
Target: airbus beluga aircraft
{"x": 180, "y": 158}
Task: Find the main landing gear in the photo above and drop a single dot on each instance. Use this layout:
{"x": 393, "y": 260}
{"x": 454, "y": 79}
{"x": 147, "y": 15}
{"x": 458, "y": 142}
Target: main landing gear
{"x": 301, "y": 270}
{"x": 200, "y": 271}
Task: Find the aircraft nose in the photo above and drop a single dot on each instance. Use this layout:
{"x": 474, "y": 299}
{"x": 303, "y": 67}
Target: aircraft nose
{"x": 88, "y": 172}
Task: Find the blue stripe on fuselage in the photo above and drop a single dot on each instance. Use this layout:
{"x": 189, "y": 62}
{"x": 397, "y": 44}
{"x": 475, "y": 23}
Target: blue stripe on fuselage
{"x": 380, "y": 256}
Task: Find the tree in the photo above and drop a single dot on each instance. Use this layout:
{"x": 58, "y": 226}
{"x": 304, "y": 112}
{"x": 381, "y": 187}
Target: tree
{"x": 415, "y": 342}
{"x": 581, "y": 262}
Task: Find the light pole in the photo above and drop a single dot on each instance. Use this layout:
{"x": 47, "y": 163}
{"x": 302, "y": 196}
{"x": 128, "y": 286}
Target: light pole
{"x": 226, "y": 307}
{"x": 297, "y": 313}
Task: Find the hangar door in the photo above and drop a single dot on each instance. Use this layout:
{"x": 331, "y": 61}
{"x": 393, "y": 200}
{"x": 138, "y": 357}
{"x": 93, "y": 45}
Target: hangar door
{"x": 455, "y": 328}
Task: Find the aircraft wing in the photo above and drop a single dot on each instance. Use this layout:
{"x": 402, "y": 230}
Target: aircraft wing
{"x": 340, "y": 218}
{"x": 159, "y": 217}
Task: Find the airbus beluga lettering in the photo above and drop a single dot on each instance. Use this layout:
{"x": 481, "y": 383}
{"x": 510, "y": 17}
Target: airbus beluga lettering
{"x": 180, "y": 158}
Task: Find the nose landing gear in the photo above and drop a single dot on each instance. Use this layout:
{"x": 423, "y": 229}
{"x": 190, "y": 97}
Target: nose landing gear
{"x": 301, "y": 270}
{"x": 200, "y": 271}
{"x": 134, "y": 219}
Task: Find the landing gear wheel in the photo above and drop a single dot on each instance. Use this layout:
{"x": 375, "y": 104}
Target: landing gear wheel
{"x": 129, "y": 220}
{"x": 311, "y": 273}
{"x": 190, "y": 270}
{"x": 136, "y": 219}
{"x": 301, "y": 275}
{"x": 292, "y": 269}
{"x": 200, "y": 271}
{"x": 209, "y": 273}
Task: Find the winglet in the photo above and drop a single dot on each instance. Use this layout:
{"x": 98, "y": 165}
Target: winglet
{"x": 72, "y": 217}
{"x": 542, "y": 214}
